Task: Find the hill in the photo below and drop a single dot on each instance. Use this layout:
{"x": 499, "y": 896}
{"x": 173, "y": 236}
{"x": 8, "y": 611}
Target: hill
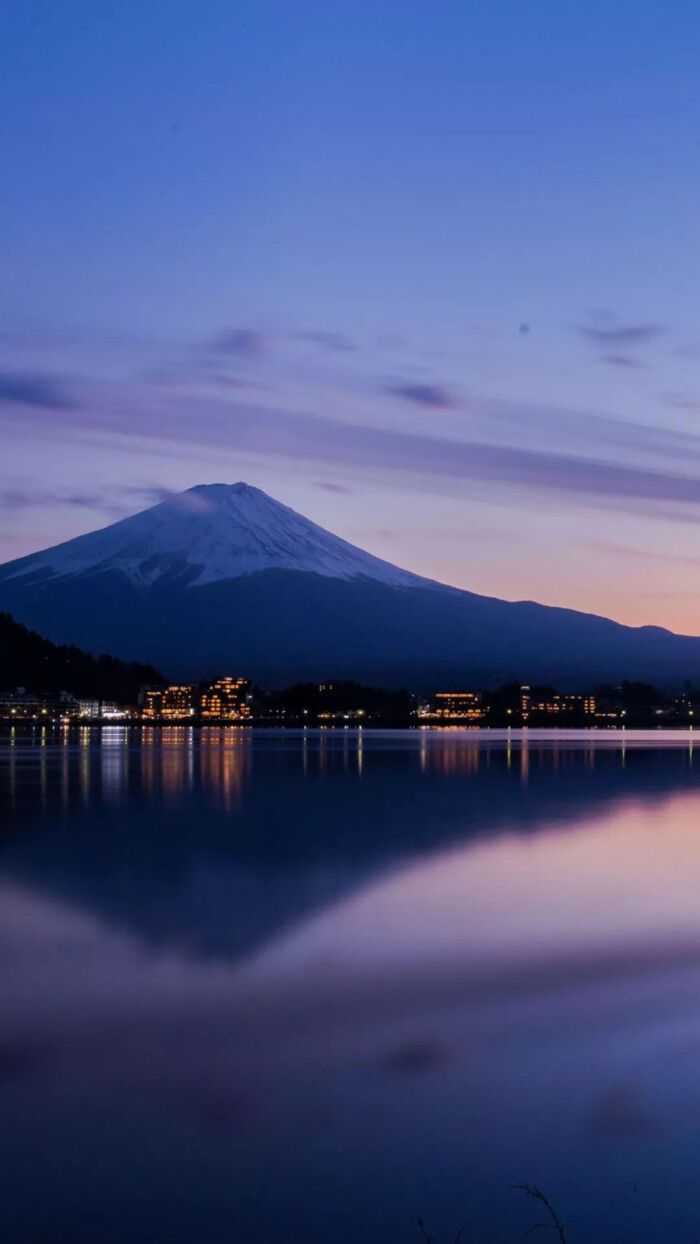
{"x": 28, "y": 660}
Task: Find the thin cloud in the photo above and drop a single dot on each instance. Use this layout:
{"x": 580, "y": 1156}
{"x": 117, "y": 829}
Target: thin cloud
{"x": 434, "y": 395}
{"x": 638, "y": 334}
{"x": 622, "y": 361}
{"x": 117, "y": 502}
{"x": 337, "y": 343}
{"x": 679, "y": 402}
{"x": 243, "y": 343}
{"x": 329, "y": 486}
{"x": 297, "y": 437}
{"x": 14, "y": 499}
{"x": 152, "y": 493}
{"x": 228, "y": 382}
{"x": 587, "y": 466}
{"x": 34, "y": 389}
{"x": 628, "y": 551}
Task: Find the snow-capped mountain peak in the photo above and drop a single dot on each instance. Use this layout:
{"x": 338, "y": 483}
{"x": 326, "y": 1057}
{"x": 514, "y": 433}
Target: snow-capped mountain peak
{"x": 210, "y": 533}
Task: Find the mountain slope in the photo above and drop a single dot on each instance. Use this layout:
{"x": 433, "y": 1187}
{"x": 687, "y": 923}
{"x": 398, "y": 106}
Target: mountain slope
{"x": 225, "y": 578}
{"x": 28, "y": 660}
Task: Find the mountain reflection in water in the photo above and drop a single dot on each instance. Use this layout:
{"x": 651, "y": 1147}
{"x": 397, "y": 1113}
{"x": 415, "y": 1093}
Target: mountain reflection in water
{"x": 275, "y": 986}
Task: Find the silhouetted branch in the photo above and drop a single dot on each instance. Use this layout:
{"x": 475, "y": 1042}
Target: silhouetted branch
{"x": 538, "y": 1195}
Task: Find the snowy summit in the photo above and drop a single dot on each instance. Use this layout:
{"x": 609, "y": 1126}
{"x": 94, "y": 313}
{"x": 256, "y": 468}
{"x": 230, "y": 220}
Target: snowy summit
{"x": 210, "y": 533}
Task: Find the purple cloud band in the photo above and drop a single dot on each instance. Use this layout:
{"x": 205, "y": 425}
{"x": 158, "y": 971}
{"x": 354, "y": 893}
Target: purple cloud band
{"x": 238, "y": 428}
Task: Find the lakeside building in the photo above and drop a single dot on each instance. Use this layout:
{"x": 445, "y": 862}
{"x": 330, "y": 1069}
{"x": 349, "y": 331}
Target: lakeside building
{"x": 101, "y": 710}
{"x": 177, "y": 702}
{"x": 226, "y": 699}
{"x": 519, "y": 704}
{"x": 351, "y": 714}
{"x": 452, "y": 707}
{"x": 525, "y": 703}
{"x": 20, "y": 706}
{"x": 544, "y": 705}
{"x": 557, "y": 705}
{"x": 23, "y": 705}
{"x": 151, "y": 703}
{"x": 327, "y": 704}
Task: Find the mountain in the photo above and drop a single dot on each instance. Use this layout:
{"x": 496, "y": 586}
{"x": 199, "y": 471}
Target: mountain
{"x": 28, "y": 660}
{"x": 222, "y": 578}
{"x": 212, "y": 533}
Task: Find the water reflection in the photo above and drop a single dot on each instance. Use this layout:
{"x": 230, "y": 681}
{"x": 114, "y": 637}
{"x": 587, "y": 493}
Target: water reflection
{"x": 393, "y": 973}
{"x": 175, "y": 760}
{"x": 176, "y": 764}
{"x": 224, "y": 759}
{"x": 114, "y": 756}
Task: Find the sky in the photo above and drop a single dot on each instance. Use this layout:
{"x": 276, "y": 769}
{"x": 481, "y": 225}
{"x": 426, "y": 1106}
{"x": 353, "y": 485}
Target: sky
{"x": 426, "y": 273}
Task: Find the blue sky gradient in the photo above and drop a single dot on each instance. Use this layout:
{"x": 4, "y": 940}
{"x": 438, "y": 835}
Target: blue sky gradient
{"x": 427, "y": 273}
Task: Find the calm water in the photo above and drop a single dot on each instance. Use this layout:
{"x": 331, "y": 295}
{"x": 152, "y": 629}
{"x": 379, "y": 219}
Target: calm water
{"x": 278, "y": 987}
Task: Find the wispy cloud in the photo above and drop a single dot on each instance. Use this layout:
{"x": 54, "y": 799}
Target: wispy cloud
{"x": 24, "y": 499}
{"x": 109, "y": 501}
{"x": 12, "y": 500}
{"x": 628, "y": 551}
{"x": 435, "y": 395}
{"x": 243, "y": 343}
{"x": 295, "y": 436}
{"x": 612, "y": 462}
{"x": 622, "y": 361}
{"x": 34, "y": 389}
{"x": 337, "y": 343}
{"x": 615, "y": 334}
{"x": 680, "y": 401}
{"x": 329, "y": 486}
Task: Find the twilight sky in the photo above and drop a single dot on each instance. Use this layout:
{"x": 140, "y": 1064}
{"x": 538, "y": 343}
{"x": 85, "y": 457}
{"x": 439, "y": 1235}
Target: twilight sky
{"x": 426, "y": 272}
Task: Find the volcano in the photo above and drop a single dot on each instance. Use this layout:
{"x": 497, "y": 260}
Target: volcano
{"x": 224, "y": 578}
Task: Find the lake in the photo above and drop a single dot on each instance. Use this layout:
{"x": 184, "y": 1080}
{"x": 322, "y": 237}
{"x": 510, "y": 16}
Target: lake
{"x": 277, "y": 986}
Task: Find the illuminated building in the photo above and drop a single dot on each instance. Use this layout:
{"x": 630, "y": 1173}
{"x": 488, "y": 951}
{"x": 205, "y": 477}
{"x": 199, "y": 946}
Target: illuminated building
{"x": 225, "y": 699}
{"x": 178, "y": 701}
{"x": 97, "y": 710}
{"x": 562, "y": 705}
{"x": 525, "y": 702}
{"x": 585, "y": 704}
{"x": 151, "y": 704}
{"x": 112, "y": 712}
{"x": 88, "y": 708}
{"x": 174, "y": 703}
{"x": 22, "y": 705}
{"x": 455, "y": 706}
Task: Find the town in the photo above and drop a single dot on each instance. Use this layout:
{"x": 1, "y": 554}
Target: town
{"x": 336, "y": 703}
